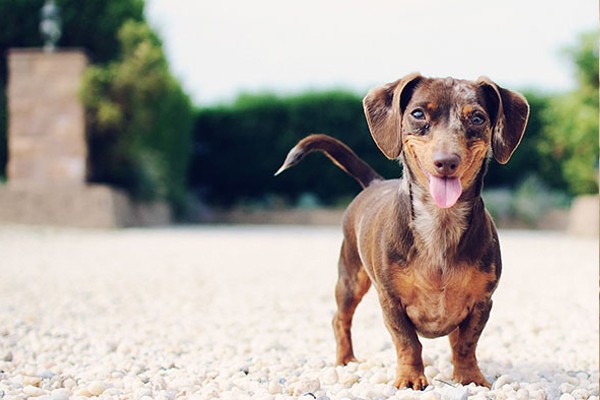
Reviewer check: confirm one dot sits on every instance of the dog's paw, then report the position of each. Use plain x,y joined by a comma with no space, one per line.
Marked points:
467,376
346,359
415,380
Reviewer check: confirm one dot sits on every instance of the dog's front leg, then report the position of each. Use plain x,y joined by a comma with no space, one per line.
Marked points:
464,343
410,370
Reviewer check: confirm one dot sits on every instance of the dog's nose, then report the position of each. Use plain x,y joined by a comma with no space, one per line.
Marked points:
445,163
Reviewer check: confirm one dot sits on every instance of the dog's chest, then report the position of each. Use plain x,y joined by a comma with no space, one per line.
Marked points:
437,302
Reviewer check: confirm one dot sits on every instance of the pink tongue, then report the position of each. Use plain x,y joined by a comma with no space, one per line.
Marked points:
445,191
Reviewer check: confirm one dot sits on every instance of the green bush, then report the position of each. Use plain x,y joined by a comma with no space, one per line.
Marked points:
239,147
140,120
569,145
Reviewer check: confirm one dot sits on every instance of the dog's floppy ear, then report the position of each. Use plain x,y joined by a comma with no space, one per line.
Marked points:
509,112
383,109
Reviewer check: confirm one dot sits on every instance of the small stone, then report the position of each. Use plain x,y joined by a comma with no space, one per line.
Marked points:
431,372
32,381
96,388
142,392
46,374
501,381
33,391
329,376
389,391
566,387
523,394
456,393
8,357
379,377
431,395
59,394
348,379
567,396
83,392
305,386
69,383
275,387
580,394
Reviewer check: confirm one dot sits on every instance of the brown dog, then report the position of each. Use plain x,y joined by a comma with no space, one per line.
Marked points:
425,241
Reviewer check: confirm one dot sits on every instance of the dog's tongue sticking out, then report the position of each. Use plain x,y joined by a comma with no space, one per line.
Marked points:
445,191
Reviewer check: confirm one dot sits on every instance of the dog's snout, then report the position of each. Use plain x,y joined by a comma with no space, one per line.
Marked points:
445,163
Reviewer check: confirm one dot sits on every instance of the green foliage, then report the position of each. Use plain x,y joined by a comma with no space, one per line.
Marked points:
139,128
91,25
570,126
239,147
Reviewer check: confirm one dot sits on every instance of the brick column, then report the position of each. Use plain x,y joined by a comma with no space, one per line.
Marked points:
46,132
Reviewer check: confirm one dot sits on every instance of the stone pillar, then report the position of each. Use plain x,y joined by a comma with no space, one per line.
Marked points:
47,151
46,130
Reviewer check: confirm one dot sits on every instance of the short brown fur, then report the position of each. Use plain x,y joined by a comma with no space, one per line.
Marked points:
434,269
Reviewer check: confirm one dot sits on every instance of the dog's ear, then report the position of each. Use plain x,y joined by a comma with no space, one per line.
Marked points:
383,108
509,112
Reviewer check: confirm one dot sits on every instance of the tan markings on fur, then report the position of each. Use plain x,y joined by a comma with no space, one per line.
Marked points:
437,303
478,151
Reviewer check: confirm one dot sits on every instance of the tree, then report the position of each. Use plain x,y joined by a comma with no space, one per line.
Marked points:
570,131
140,129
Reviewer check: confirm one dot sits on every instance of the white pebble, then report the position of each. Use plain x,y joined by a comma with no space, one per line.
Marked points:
430,395
46,374
275,387
389,391
523,394
379,377
431,372
33,391
305,386
32,381
69,383
142,392
83,392
329,376
501,381
96,388
580,394
347,378
566,388
567,396
59,394
456,393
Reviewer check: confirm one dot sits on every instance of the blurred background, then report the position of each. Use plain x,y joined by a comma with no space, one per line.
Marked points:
196,103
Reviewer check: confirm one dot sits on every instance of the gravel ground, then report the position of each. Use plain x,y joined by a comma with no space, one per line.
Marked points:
244,313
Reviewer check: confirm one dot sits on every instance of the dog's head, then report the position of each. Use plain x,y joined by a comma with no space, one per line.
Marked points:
445,129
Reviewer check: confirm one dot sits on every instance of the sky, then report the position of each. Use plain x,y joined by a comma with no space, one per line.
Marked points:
219,49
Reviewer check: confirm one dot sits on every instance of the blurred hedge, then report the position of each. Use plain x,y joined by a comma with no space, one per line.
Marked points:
239,147
140,120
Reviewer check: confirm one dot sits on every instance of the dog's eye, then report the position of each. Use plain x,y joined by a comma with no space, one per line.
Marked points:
418,114
477,119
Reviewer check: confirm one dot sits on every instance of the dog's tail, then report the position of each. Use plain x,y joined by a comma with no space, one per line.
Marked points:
336,151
